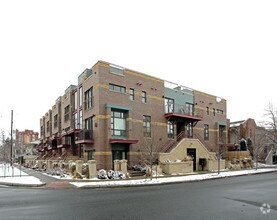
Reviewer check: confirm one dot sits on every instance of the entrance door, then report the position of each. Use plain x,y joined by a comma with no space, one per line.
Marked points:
192,152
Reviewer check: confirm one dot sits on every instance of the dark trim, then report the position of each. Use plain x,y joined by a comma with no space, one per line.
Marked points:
84,141
177,115
123,141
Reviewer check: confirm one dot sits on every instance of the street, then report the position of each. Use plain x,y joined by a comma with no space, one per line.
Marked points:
246,197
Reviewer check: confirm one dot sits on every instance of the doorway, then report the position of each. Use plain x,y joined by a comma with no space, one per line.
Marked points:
192,152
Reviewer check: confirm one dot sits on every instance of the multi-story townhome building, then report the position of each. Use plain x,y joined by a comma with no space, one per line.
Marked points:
114,111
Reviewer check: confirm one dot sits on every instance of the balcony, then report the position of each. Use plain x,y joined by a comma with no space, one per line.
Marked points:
84,137
63,142
182,111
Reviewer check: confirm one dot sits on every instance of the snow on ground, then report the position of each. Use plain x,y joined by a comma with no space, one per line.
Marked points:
13,175
164,180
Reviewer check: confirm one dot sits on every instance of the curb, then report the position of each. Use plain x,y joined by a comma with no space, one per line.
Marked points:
167,183
22,184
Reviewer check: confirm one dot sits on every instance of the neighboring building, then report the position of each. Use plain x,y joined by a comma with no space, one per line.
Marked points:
24,142
241,130
113,110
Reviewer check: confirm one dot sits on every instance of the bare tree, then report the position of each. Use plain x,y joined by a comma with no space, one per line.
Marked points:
267,136
149,150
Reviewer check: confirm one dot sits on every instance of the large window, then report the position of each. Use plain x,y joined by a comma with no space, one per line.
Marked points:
206,132
221,134
89,123
170,129
132,94
117,88
75,120
88,99
81,119
80,96
118,123
189,109
66,113
169,105
48,126
143,97
56,121
189,130
146,126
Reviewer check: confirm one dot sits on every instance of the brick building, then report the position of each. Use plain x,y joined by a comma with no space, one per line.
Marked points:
112,110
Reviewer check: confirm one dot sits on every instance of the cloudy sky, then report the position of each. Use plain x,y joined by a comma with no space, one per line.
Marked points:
224,48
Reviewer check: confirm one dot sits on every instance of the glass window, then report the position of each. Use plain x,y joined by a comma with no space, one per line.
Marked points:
89,123
80,96
143,97
189,109
146,126
169,105
214,111
206,132
55,121
117,88
75,121
88,99
170,129
132,94
66,113
81,119
207,110
118,123
116,70
189,130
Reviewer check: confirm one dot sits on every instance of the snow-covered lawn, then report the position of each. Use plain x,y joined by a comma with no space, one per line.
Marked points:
164,180
13,176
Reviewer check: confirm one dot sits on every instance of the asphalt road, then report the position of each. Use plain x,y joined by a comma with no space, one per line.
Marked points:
230,198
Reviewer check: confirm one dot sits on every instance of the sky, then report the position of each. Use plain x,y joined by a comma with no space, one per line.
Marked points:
224,48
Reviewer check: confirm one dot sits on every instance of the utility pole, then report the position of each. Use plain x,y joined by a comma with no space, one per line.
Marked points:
12,138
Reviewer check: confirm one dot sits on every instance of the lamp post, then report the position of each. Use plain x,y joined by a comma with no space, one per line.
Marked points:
12,138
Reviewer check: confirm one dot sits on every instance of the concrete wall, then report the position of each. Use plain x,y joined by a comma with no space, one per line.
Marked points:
177,167
180,152
238,154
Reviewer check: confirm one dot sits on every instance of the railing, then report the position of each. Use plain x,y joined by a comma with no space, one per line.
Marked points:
183,109
85,135
183,134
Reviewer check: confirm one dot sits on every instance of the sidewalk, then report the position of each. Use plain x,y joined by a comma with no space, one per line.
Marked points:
32,178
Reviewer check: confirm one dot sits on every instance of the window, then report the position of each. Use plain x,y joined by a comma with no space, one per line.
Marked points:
75,121
214,111
219,111
88,99
116,70
170,129
55,121
206,132
118,123
207,110
146,126
80,96
132,94
143,97
169,105
89,123
189,109
221,134
117,88
66,113
75,101
48,126
189,130
81,119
